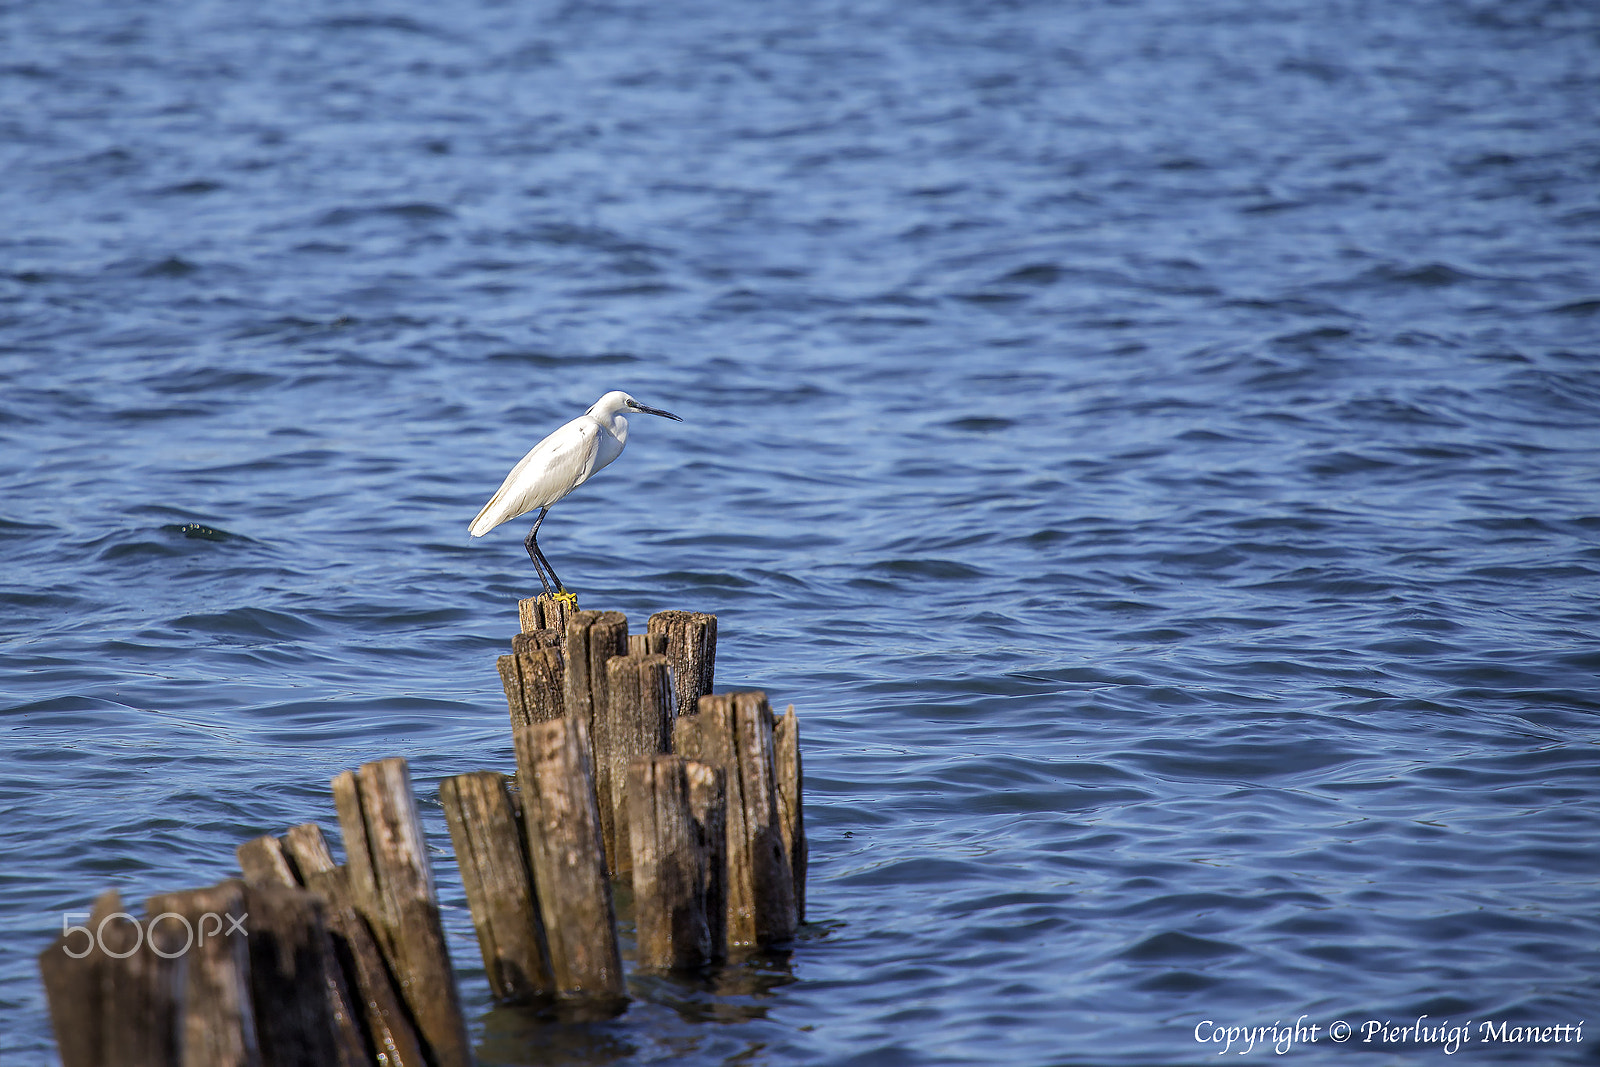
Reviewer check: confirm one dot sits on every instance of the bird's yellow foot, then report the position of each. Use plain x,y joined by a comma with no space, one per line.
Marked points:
570,598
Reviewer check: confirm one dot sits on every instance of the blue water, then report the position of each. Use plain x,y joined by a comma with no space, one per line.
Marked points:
1153,444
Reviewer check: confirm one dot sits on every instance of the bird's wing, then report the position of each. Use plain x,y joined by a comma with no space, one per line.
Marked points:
551,469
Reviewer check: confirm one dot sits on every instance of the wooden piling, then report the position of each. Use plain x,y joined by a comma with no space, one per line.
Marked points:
264,862
647,644
304,1010
543,621
353,968
708,806
592,638
361,996
527,641
671,863
532,679
486,830
296,970
692,650
307,850
391,885
567,855
219,1022
384,1016
544,612
636,721
791,808
121,1007
734,731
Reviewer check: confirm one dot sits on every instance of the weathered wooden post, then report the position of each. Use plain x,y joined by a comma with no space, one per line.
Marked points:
671,865
389,1026
486,829
708,806
219,1022
532,679
734,731
264,862
302,856
567,855
532,674
649,644
692,649
544,612
528,641
592,638
138,1026
637,721
308,850
791,807
303,1007
391,885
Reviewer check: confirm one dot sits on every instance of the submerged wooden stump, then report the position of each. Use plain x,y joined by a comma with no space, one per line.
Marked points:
734,731
486,829
391,886
592,638
543,624
561,819
692,650
527,641
234,974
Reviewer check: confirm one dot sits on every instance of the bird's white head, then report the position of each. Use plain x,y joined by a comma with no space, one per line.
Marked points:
616,402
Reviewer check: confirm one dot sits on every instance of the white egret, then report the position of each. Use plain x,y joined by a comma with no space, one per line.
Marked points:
555,467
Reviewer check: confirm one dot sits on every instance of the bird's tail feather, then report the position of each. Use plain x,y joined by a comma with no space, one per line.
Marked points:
482,524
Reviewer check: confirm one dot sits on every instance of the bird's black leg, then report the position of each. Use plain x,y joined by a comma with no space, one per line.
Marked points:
561,590
536,554
532,545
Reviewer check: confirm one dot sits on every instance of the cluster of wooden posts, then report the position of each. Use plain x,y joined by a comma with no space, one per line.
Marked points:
627,766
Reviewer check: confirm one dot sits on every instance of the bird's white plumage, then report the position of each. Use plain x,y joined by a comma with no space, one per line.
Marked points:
561,462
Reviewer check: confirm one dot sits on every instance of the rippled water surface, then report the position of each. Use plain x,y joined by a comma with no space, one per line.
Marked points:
1152,443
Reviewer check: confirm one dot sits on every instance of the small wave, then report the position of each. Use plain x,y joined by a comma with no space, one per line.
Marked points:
1175,946
210,380
415,211
247,624
980,423
170,267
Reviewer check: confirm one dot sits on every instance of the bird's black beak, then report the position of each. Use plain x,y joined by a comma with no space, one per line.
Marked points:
654,411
